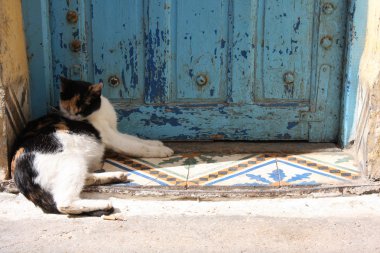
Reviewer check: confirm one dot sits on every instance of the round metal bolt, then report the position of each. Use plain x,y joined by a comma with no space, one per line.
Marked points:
113,81
328,8
201,79
327,42
289,77
76,45
76,69
72,17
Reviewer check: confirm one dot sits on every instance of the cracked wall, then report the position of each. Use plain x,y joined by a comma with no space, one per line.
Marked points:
14,94
367,141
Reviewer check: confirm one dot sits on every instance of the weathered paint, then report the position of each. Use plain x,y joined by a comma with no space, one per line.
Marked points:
14,80
37,32
367,116
171,121
356,37
159,49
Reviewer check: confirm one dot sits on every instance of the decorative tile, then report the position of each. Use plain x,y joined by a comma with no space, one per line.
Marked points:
296,170
263,174
196,169
230,170
340,160
136,177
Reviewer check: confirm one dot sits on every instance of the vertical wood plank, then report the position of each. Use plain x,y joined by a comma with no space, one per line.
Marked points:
159,38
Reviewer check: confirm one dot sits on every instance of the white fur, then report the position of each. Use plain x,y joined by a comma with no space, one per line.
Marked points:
104,120
65,173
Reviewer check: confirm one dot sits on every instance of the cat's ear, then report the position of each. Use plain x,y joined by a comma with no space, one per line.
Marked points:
64,83
64,79
96,89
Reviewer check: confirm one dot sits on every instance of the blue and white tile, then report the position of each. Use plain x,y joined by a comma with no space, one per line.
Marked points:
263,174
340,160
136,177
219,163
301,174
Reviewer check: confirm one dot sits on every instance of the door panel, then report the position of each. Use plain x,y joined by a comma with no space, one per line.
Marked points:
216,69
285,58
202,34
118,43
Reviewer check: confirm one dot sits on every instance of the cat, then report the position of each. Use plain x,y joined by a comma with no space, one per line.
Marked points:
54,155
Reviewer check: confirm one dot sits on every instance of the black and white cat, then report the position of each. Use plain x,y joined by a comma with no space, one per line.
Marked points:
54,155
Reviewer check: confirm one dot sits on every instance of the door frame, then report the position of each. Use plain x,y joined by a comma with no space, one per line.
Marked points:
37,31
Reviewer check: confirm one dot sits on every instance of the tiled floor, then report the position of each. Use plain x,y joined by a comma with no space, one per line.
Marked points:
196,169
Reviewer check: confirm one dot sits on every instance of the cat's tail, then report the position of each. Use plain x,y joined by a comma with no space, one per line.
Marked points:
24,176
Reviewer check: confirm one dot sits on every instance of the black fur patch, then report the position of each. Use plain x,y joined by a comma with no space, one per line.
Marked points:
39,137
24,176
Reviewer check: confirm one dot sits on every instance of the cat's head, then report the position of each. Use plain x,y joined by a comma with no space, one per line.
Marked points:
79,99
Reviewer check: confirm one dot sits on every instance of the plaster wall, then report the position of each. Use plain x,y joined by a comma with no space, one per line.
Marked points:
367,139
14,94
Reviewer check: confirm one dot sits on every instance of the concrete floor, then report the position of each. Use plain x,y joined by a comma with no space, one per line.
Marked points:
150,224
340,224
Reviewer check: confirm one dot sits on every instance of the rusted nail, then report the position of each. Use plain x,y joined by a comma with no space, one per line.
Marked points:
75,45
327,42
201,79
289,77
72,17
328,8
113,81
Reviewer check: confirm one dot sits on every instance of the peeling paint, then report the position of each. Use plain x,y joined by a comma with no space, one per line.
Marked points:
292,125
244,54
191,73
133,65
222,43
76,33
98,70
296,26
285,136
161,121
155,68
126,113
212,91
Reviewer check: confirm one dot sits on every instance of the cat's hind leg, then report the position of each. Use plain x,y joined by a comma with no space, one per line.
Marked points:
93,207
106,178
67,187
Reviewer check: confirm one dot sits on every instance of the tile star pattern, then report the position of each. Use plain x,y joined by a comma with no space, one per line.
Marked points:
272,170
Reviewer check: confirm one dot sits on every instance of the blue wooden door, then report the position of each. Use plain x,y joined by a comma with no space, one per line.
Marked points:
208,69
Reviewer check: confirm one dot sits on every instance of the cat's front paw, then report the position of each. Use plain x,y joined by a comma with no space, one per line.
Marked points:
158,152
121,177
154,143
166,151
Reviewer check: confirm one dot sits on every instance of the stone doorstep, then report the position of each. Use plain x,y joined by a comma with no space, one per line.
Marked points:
223,193
227,170
218,193
240,164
